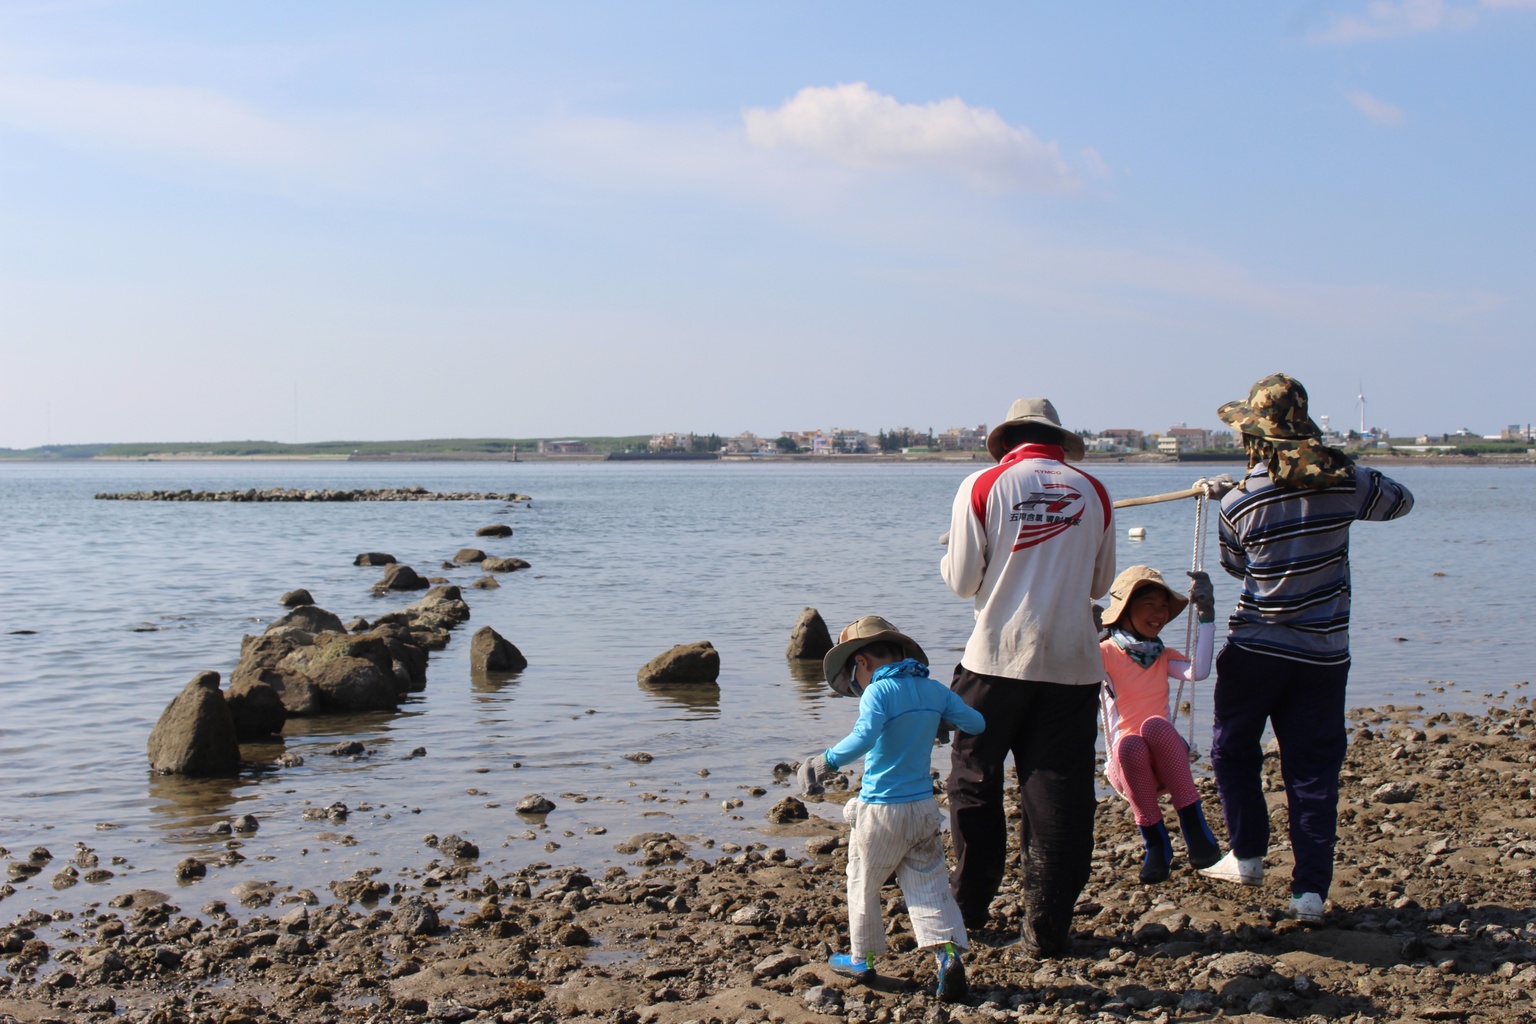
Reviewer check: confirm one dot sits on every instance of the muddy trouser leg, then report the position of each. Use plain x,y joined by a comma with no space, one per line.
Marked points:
1309,723
978,823
1242,699
1054,756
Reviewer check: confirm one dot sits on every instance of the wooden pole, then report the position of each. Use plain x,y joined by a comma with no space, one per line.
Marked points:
1153,499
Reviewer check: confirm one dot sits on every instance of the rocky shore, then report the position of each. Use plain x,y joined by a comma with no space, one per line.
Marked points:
296,494
1433,917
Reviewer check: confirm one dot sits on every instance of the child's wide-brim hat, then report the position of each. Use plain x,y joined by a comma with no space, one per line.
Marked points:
1133,579
856,636
1038,411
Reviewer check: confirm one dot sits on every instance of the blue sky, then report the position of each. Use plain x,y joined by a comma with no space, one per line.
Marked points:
385,220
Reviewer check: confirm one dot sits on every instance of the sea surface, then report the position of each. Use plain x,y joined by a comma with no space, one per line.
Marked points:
108,608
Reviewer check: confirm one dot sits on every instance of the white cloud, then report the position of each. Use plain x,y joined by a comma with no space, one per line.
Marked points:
855,126
1386,19
1377,110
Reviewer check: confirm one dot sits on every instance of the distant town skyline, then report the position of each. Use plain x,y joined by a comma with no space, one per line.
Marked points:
481,219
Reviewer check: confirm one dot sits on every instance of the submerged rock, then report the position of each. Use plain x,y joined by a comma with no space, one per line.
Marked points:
196,733
398,576
684,664
493,564
489,652
374,558
496,530
809,639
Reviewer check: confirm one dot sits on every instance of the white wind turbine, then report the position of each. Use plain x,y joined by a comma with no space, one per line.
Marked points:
1360,404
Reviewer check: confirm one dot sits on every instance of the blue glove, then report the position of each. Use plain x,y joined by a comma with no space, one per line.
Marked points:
814,773
1202,595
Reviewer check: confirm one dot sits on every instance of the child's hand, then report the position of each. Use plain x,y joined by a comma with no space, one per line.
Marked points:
1202,595
814,773
945,734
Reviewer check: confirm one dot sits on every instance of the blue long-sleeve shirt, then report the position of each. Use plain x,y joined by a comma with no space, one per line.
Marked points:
899,715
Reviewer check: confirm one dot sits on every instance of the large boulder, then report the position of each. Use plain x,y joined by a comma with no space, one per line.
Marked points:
257,711
496,530
684,664
263,662
350,672
195,734
398,576
440,608
311,618
408,656
494,564
809,638
464,556
374,558
295,598
489,651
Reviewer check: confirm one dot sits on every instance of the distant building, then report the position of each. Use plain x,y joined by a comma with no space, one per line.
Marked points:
1515,432
1190,439
1168,445
962,439
1125,437
746,443
1101,443
671,442
569,447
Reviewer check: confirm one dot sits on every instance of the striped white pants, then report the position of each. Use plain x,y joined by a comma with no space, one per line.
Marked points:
904,839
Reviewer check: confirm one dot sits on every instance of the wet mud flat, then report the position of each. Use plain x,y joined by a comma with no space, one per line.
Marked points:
1432,917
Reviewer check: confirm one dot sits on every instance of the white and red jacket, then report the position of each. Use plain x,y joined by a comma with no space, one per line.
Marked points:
1033,541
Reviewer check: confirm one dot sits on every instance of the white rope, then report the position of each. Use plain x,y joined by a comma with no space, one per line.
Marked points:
1191,627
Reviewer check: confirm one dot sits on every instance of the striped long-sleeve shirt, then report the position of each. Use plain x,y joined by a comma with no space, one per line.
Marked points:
1290,549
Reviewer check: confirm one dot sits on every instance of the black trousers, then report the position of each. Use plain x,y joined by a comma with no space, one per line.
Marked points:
1050,730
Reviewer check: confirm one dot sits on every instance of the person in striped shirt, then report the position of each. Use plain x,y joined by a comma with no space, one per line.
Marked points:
1285,536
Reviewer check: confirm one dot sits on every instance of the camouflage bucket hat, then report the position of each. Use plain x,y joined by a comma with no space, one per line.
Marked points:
1276,409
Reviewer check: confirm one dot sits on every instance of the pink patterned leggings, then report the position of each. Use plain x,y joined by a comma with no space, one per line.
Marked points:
1144,765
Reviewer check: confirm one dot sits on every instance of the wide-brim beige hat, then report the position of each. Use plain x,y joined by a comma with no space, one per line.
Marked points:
856,636
1033,410
1133,579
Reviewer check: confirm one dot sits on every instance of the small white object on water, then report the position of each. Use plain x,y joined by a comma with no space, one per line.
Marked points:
1136,532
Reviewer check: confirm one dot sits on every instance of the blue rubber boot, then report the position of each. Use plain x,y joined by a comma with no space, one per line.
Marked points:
1155,866
1203,851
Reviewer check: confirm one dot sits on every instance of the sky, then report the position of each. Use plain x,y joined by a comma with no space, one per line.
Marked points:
367,221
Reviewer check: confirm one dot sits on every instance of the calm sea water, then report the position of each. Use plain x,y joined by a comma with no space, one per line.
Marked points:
128,600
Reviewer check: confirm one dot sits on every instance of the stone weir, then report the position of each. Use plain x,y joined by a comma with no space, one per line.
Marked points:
294,494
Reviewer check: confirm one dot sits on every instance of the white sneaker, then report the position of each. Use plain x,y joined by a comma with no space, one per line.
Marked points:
1243,870
1307,907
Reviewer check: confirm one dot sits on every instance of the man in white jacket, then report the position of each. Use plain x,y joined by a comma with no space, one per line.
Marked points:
1032,541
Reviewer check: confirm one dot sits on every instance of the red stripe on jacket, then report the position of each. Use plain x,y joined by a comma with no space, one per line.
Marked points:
981,490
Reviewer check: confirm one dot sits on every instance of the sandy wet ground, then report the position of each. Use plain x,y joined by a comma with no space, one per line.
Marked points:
1433,917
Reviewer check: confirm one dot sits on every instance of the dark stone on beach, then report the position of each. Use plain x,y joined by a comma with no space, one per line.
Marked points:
572,935
196,733
190,869
809,639
408,657
414,916
464,556
486,583
350,673
374,558
257,711
457,847
400,577
311,618
787,810
245,823
684,664
489,652
295,598
498,530
535,803
357,625
494,564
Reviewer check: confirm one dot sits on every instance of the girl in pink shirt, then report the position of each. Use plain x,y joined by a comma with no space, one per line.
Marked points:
1146,755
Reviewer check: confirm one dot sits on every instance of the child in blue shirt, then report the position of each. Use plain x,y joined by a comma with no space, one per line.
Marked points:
895,820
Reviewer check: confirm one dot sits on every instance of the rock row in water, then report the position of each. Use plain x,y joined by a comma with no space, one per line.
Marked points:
294,494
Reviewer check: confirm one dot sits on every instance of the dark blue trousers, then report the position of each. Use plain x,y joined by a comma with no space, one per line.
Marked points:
1305,704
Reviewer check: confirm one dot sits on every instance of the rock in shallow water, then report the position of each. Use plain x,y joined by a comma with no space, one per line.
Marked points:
685,664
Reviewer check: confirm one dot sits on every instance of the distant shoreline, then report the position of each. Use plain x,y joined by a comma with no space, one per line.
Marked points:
1372,458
